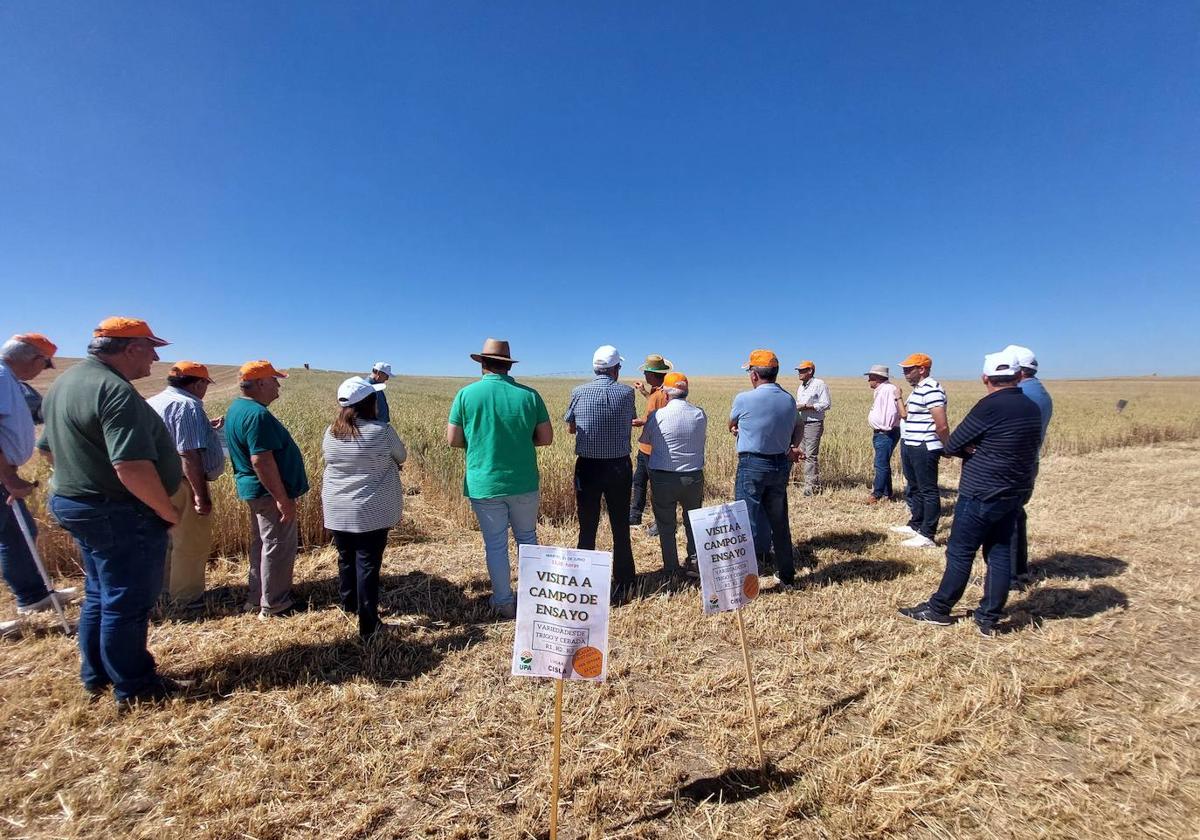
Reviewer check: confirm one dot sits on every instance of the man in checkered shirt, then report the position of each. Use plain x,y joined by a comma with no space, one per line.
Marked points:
601,415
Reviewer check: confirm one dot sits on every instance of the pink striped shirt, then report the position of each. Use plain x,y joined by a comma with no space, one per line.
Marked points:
884,414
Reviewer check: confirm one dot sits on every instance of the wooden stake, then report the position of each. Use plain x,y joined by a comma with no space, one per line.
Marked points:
554,760
762,761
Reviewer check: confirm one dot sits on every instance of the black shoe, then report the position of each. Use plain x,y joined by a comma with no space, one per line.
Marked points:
291,609
987,629
95,693
924,612
634,521
163,689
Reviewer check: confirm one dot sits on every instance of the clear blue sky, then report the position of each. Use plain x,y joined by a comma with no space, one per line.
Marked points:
341,182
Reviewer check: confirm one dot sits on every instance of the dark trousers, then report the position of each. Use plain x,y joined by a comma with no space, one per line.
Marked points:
986,524
641,478
920,467
885,445
762,482
673,490
1020,541
359,559
612,480
16,563
124,548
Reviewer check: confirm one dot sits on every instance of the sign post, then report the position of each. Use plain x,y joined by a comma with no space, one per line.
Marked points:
562,628
729,578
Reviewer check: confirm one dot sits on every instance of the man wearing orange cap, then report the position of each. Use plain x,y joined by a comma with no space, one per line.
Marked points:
181,407
115,468
768,443
676,433
812,401
269,473
22,358
923,434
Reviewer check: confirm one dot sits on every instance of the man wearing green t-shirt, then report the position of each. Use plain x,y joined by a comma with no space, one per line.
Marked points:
499,422
269,474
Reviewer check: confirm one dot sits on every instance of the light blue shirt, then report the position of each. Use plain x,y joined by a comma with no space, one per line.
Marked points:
1036,391
16,423
676,433
185,418
766,418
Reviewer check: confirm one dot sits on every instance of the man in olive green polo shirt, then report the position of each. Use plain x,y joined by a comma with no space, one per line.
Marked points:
499,422
115,468
269,473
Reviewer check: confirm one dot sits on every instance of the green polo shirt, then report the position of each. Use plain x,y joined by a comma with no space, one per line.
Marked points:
251,429
95,418
498,417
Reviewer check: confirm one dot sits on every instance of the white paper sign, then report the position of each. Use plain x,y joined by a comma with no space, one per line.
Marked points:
562,613
725,554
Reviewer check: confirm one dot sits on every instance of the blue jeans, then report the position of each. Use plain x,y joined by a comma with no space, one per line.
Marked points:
124,548
762,481
496,516
920,465
16,563
979,523
885,445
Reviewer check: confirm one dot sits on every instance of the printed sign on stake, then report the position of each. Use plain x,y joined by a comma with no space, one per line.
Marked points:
725,554
562,613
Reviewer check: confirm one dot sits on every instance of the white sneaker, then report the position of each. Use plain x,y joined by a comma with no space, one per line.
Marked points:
919,541
903,529
65,596
10,629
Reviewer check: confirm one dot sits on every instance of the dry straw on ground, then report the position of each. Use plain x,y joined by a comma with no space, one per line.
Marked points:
1082,722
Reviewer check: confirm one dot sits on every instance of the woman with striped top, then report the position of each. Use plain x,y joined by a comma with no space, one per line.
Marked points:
361,495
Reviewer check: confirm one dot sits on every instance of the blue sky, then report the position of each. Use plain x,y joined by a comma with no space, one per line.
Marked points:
849,182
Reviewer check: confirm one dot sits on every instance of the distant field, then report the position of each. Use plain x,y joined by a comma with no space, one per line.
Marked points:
1085,420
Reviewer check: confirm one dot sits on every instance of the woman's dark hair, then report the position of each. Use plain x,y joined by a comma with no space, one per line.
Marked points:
345,425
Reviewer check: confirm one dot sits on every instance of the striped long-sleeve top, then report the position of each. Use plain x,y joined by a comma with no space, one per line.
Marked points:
1005,427
360,490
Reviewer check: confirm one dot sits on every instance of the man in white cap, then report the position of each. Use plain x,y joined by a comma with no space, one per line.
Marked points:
381,372
601,415
998,442
1033,388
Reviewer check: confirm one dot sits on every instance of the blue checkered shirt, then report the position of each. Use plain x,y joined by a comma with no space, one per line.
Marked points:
603,412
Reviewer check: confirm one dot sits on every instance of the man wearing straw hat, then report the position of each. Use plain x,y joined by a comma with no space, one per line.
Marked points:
653,370
269,473
499,422
115,469
181,407
884,420
22,358
812,401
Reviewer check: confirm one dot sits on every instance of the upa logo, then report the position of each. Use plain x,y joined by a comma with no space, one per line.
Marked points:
713,600
526,660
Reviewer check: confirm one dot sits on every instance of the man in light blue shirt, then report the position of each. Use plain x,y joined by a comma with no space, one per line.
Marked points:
765,421
381,372
1033,388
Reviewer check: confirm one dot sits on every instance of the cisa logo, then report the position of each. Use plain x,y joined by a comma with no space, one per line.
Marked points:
526,660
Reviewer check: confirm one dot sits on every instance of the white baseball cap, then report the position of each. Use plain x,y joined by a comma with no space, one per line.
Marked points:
1024,355
382,367
1004,363
606,356
356,389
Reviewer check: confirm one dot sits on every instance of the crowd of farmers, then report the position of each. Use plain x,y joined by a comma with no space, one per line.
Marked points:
130,479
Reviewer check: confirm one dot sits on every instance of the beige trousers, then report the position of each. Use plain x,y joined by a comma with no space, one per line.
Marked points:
190,547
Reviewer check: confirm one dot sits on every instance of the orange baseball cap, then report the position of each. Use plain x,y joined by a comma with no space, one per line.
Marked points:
806,364
917,360
190,369
674,378
761,358
118,327
260,369
39,342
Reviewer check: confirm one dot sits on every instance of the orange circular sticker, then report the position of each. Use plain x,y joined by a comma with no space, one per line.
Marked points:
588,662
750,586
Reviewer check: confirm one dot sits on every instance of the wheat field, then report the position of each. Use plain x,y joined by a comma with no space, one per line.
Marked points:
1082,721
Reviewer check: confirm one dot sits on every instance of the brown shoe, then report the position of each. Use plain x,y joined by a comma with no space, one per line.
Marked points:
871,499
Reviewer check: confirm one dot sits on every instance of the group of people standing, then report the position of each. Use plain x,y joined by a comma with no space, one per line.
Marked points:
130,476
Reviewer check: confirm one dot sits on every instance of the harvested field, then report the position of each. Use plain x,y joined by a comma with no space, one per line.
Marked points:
1082,722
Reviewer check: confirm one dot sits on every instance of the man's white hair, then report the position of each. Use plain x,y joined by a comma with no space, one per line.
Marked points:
677,393
18,351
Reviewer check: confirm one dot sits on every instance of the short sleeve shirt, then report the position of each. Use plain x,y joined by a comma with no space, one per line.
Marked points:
16,420
95,418
917,428
766,417
498,416
250,429
603,413
186,420
656,400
